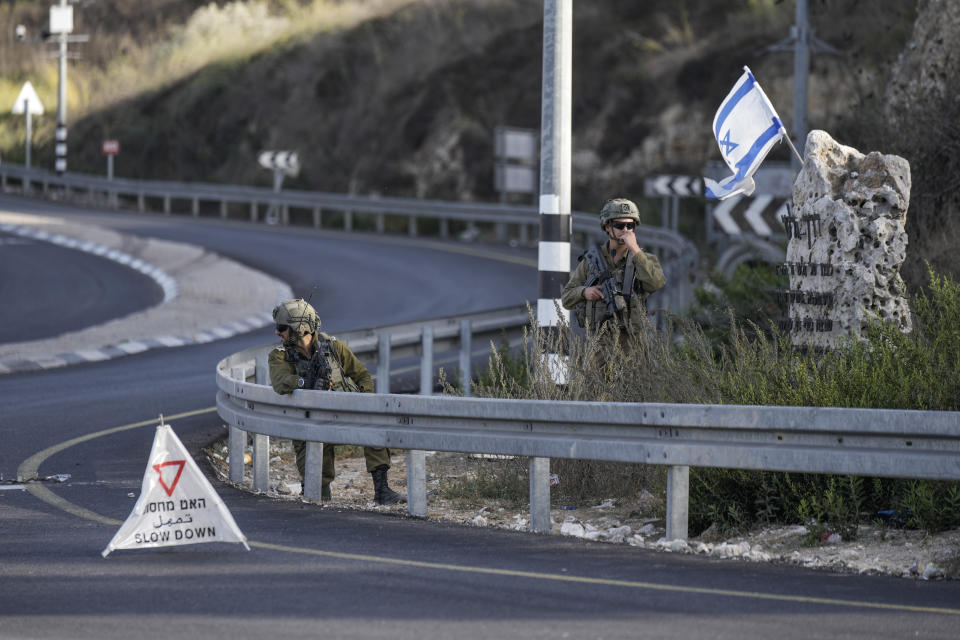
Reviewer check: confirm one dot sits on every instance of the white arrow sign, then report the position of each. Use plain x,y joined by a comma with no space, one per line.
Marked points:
286,161
721,213
27,99
754,215
668,185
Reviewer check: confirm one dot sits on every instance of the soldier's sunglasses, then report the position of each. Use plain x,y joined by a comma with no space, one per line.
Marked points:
620,226
282,327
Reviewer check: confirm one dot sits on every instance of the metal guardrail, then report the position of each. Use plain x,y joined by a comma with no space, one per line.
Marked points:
678,255
874,442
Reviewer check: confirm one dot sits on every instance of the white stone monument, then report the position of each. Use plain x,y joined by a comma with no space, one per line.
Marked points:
847,243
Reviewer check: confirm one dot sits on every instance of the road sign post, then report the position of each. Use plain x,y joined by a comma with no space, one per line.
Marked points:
671,188
28,103
515,169
282,163
110,149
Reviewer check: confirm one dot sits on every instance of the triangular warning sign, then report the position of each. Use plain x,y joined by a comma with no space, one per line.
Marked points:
27,100
177,504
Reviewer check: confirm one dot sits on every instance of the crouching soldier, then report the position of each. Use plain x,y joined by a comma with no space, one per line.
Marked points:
309,359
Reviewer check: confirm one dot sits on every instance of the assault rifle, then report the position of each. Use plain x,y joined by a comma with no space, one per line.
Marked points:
600,276
315,371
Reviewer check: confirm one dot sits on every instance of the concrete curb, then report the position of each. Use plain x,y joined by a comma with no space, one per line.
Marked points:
168,284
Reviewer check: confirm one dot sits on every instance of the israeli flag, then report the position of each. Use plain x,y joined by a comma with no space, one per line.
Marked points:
746,127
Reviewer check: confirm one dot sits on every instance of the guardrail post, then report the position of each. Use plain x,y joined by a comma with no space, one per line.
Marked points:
261,370
383,362
313,471
426,360
444,228
317,217
412,227
348,220
166,205
261,462
466,351
381,223
285,214
238,441
678,501
417,460
253,211
417,483
540,495
141,202
195,207
501,232
223,209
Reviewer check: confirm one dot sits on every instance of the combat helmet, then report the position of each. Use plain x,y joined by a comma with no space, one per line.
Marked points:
618,208
298,315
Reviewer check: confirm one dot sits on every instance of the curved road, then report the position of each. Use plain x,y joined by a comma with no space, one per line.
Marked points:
325,572
43,298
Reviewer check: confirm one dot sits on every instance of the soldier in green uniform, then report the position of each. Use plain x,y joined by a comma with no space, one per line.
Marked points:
613,279
309,359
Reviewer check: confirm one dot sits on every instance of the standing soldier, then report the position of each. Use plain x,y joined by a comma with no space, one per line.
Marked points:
309,359
613,279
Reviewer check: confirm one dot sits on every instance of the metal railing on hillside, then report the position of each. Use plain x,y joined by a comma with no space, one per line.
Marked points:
678,255
891,443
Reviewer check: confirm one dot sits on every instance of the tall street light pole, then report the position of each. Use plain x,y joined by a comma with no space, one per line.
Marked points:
555,144
61,26
801,72
555,219
801,41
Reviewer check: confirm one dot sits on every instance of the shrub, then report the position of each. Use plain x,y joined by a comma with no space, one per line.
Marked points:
884,369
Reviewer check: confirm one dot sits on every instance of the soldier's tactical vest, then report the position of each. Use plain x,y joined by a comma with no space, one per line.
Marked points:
341,381
594,313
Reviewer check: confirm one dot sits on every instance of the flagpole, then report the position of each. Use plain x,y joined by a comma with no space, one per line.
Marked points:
786,136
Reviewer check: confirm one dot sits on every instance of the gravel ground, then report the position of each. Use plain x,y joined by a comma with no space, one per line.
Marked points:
896,552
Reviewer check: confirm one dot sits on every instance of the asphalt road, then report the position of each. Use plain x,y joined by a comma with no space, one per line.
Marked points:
50,299
325,572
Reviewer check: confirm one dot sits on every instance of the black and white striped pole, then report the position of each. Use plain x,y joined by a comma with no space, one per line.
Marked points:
61,28
61,24
555,220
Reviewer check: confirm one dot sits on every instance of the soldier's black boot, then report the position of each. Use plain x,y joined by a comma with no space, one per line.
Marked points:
325,493
382,493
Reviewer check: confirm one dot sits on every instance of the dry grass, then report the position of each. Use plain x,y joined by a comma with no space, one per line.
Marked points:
122,64
886,369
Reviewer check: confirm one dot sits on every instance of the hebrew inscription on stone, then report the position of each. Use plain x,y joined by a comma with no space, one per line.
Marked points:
847,242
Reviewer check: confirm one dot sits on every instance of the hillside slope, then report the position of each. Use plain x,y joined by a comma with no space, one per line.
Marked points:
401,97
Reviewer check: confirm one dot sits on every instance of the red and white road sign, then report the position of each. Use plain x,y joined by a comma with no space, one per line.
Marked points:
111,147
177,504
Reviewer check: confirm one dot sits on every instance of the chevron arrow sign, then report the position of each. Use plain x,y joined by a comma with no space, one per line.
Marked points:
286,161
667,185
761,216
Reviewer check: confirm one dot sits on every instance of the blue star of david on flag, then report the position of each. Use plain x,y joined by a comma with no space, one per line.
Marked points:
746,127
726,146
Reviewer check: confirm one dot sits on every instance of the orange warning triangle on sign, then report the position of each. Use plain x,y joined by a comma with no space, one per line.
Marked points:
173,485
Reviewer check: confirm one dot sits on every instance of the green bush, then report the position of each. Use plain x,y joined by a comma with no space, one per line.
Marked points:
751,365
